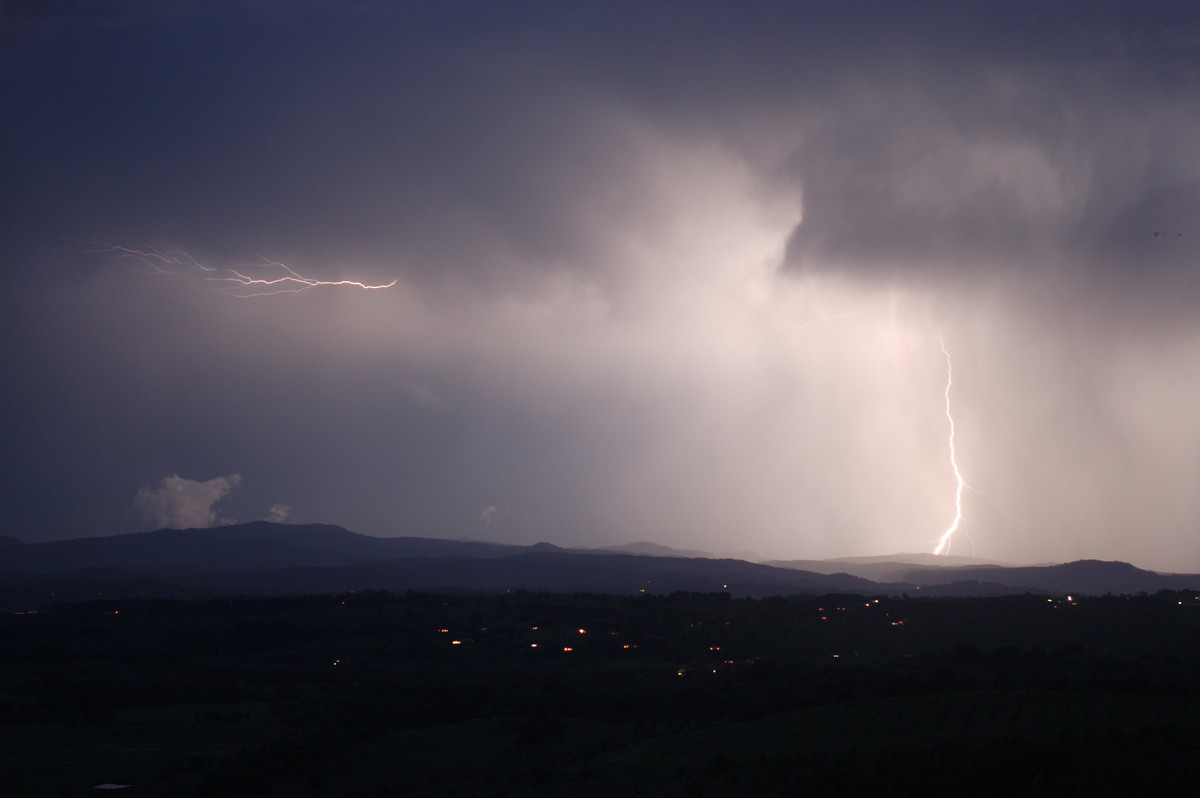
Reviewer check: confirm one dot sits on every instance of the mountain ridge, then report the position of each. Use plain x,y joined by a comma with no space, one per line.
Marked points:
263,557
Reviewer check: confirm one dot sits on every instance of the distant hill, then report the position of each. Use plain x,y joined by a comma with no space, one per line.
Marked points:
656,550
952,575
7,541
31,591
541,571
254,546
266,558
1085,577
886,568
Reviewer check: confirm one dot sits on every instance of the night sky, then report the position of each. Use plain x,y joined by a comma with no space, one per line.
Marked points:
666,271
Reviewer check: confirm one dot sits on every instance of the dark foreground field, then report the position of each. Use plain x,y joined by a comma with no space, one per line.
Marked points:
538,694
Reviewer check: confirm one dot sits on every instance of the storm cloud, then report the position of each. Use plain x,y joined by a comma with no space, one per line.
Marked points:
667,271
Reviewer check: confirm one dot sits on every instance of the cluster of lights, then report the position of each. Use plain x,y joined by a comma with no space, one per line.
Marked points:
568,649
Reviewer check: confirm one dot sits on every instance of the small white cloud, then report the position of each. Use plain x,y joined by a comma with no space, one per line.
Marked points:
279,513
486,515
422,396
184,503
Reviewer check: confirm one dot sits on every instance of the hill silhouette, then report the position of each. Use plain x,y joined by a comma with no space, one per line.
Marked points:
268,558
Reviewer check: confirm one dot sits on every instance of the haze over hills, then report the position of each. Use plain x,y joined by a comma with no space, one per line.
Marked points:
267,558
884,568
659,550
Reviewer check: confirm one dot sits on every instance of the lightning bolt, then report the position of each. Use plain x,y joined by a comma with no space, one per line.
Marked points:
238,280
943,544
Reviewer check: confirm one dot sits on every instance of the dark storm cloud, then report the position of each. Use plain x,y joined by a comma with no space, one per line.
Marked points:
665,270
1015,167
935,132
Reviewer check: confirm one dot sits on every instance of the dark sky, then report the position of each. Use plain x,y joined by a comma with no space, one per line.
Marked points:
669,271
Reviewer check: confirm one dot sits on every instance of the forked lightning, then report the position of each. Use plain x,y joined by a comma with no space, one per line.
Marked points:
943,544
278,277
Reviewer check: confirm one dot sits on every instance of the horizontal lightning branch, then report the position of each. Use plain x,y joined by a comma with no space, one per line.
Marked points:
259,278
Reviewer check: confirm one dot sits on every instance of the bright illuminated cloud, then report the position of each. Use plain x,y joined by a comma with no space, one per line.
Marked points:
279,514
183,503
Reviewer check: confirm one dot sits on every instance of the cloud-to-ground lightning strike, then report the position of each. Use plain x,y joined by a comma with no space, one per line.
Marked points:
235,280
943,544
